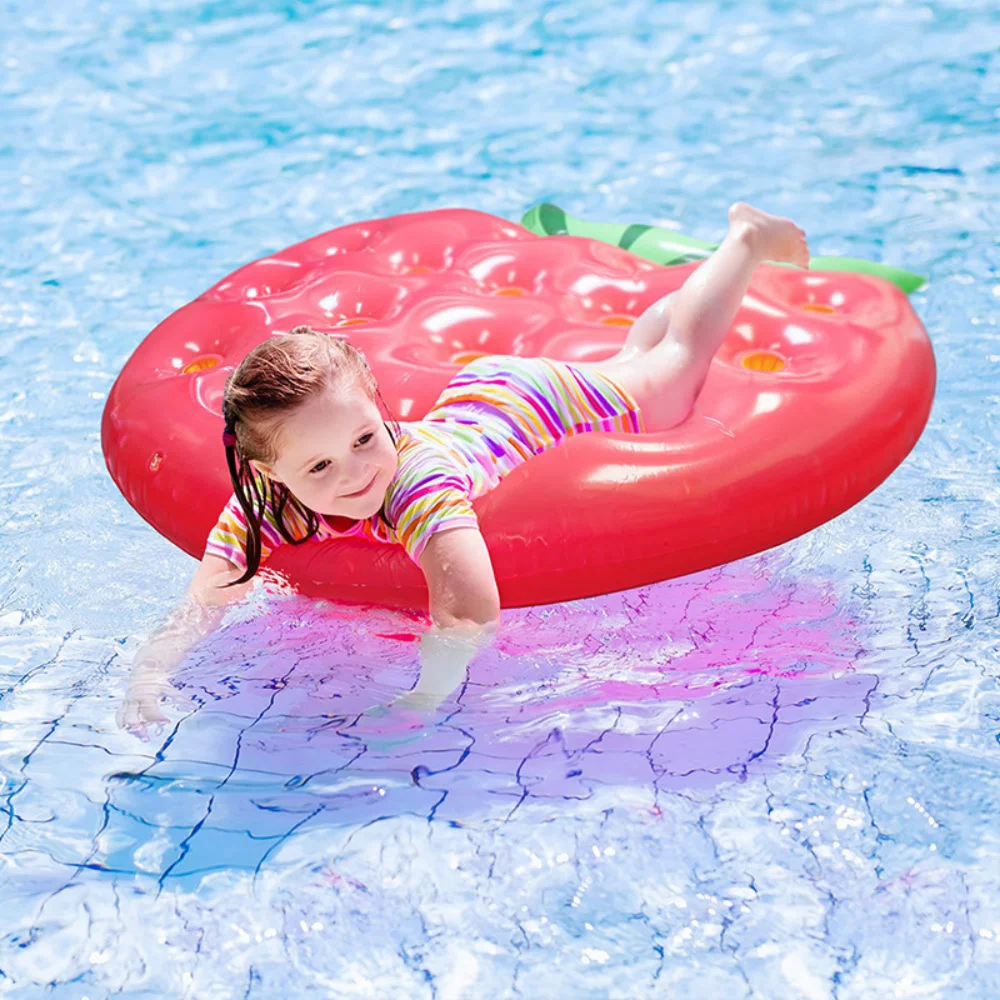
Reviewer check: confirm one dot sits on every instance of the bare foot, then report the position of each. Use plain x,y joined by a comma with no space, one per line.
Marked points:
774,237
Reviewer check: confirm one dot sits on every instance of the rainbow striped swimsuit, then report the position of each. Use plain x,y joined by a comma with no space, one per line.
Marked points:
494,414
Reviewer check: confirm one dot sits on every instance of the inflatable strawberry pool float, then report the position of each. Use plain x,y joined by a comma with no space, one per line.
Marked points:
820,390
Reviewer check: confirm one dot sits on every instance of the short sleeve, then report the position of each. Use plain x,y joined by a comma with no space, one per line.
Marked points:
428,494
229,536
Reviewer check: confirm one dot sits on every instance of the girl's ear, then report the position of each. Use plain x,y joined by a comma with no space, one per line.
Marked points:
259,468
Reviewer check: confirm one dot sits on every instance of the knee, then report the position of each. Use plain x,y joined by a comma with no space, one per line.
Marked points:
651,326
674,379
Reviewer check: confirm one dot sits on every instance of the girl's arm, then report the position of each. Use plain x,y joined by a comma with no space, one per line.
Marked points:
464,607
198,614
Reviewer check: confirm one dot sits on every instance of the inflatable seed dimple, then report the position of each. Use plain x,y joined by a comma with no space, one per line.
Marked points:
764,361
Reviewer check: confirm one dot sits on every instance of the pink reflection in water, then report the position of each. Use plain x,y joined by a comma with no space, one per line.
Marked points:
671,687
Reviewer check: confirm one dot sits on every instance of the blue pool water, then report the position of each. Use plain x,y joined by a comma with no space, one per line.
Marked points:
615,805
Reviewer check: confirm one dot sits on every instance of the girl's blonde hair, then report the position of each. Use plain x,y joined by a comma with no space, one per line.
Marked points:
277,376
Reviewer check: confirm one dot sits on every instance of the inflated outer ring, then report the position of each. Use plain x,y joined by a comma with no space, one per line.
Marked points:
821,389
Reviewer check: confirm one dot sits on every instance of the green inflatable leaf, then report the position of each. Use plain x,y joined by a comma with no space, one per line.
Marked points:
662,246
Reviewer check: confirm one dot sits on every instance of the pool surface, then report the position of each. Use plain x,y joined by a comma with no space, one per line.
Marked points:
777,778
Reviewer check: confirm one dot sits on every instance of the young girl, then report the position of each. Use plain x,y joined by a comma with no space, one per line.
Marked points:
310,456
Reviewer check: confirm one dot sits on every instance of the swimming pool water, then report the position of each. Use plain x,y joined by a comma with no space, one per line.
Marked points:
777,778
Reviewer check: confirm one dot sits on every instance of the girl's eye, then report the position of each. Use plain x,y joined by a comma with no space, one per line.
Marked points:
319,466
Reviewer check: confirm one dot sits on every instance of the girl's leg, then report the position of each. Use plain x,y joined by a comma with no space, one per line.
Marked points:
648,330
667,376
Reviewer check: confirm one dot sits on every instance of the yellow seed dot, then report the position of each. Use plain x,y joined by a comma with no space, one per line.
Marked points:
764,361
200,364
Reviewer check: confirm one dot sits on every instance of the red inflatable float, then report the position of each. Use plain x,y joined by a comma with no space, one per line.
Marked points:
821,389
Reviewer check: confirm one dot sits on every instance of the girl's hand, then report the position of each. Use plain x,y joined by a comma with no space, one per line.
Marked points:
138,712
411,726
418,701
409,701
140,708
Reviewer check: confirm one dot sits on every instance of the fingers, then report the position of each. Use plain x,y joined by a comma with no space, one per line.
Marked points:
420,701
137,714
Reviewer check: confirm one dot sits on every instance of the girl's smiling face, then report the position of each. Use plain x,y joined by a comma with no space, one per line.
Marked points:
335,454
